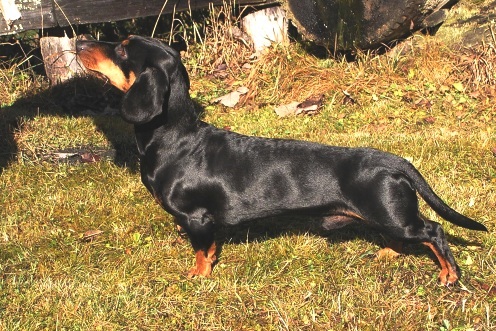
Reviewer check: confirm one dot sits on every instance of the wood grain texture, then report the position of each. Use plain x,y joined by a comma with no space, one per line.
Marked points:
38,14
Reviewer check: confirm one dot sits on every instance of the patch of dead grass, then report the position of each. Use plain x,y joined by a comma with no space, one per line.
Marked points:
480,64
222,47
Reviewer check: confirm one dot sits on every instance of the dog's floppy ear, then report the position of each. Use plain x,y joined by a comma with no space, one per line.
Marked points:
146,98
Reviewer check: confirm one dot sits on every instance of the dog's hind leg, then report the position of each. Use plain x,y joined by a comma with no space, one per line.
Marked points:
205,258
396,214
450,272
432,235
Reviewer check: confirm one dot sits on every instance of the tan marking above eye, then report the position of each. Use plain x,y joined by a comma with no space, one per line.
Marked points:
125,42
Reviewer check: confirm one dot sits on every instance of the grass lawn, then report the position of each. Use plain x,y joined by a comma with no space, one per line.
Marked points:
83,245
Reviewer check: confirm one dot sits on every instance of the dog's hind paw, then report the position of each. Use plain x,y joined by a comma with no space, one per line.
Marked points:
387,254
393,250
447,277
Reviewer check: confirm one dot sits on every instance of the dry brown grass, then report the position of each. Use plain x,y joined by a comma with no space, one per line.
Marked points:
286,74
221,44
480,64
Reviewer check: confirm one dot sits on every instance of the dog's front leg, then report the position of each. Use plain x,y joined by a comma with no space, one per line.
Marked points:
201,233
204,262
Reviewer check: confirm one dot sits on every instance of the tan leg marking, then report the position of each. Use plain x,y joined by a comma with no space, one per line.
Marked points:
204,261
391,251
448,273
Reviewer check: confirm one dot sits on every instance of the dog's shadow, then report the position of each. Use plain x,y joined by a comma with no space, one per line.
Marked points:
267,229
78,97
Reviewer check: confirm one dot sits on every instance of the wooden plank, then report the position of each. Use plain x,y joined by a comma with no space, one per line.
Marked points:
36,14
48,13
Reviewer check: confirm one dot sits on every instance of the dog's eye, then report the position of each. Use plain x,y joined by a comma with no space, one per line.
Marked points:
121,52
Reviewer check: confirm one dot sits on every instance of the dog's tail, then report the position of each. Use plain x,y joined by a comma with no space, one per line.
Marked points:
435,202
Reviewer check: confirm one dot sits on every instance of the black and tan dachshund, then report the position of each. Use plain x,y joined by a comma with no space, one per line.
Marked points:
207,177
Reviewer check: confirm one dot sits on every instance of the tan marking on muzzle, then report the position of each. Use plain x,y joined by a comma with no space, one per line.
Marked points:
96,61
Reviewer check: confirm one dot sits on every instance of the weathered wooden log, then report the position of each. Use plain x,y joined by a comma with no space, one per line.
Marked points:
266,26
9,11
337,24
364,24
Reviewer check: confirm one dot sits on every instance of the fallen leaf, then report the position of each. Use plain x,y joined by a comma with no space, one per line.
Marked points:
308,107
288,109
231,99
90,158
429,120
444,89
348,99
468,260
311,105
491,289
63,156
221,71
242,89
459,87
91,234
424,103
221,67
474,94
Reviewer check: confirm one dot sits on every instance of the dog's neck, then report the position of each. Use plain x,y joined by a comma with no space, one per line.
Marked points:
164,130
178,115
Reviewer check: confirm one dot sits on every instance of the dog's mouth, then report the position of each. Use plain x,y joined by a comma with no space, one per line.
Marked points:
94,56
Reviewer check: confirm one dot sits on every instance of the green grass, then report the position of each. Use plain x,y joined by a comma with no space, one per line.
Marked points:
277,275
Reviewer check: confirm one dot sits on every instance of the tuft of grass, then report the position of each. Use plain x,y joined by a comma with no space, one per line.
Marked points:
480,62
18,82
221,43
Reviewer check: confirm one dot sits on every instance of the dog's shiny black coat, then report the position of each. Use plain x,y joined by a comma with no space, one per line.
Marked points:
207,177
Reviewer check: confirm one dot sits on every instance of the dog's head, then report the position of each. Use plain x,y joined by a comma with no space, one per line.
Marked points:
149,72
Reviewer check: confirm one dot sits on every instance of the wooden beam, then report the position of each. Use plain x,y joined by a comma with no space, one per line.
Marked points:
38,14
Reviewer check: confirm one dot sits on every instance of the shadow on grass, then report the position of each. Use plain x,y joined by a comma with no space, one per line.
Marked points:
265,229
87,97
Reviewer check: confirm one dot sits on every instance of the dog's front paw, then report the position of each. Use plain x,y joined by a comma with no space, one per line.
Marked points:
204,264
202,271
